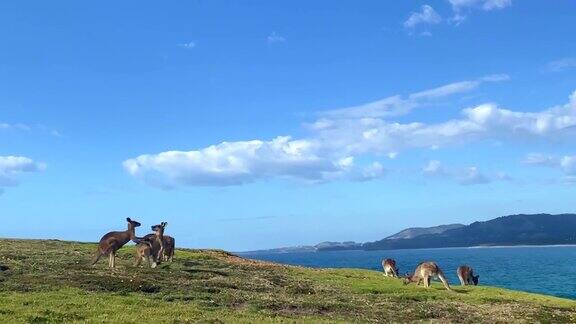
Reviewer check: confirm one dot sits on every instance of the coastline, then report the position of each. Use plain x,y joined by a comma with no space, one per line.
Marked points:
439,248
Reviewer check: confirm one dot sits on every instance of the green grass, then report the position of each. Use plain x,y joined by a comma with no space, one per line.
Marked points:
52,281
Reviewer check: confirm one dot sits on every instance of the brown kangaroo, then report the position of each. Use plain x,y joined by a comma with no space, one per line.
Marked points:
169,246
390,269
425,271
113,241
466,275
151,246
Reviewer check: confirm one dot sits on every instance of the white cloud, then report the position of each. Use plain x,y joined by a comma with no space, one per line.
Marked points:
373,171
21,127
496,4
472,176
29,128
398,105
434,168
566,164
463,176
461,7
427,15
234,163
571,180
361,135
540,160
561,65
189,45
12,166
275,38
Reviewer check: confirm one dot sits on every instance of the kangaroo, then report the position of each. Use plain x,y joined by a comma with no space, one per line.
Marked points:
113,241
169,246
151,246
390,269
425,271
466,275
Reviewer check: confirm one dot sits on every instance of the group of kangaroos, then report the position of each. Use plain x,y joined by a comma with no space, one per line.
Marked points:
425,271
157,247
154,247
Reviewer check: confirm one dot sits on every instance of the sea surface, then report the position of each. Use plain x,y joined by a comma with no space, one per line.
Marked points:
547,270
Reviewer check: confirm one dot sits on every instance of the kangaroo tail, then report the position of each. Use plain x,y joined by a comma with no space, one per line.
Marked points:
444,281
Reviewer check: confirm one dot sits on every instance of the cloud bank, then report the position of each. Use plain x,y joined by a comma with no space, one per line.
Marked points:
340,138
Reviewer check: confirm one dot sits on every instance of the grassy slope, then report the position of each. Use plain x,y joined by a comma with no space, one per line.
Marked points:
52,281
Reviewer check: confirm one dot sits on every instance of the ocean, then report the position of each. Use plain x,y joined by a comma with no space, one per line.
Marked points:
547,270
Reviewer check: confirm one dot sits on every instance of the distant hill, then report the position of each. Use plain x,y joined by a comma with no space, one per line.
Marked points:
539,229
536,229
413,232
324,246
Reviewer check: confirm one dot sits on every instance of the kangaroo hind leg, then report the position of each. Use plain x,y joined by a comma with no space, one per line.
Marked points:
462,281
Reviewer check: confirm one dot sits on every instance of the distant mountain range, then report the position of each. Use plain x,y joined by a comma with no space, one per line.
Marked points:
535,229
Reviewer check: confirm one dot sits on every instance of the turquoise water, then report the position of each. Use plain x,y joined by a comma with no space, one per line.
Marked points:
548,270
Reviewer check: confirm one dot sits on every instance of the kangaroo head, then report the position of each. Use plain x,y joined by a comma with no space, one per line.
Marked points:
475,280
159,227
407,278
132,222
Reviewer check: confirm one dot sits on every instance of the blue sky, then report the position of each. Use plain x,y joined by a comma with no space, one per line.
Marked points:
258,124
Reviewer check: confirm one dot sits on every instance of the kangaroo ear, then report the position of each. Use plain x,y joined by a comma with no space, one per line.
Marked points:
165,224
128,219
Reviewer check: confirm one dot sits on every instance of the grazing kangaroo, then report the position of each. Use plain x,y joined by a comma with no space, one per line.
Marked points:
113,241
390,269
151,246
169,246
466,275
425,271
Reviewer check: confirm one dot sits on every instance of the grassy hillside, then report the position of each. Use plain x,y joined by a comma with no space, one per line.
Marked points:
51,281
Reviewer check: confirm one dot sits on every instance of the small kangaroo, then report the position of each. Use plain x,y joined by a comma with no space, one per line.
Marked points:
466,275
151,246
111,242
390,269
425,271
169,246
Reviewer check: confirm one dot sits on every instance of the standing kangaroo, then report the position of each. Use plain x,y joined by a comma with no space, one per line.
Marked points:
169,246
466,275
425,271
151,246
113,241
390,269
